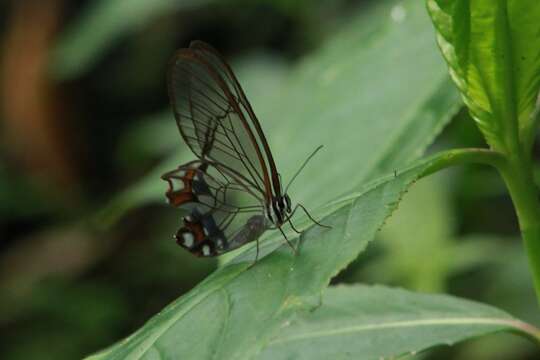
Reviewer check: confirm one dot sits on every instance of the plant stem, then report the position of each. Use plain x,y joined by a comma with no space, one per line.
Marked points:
464,156
519,179
517,172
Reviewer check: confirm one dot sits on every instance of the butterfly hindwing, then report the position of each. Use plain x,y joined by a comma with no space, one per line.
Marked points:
223,213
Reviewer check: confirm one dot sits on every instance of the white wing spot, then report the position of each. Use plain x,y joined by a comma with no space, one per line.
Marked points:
189,239
177,184
219,243
206,250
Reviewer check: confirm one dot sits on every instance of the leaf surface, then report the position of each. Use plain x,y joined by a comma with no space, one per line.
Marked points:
376,322
235,311
493,50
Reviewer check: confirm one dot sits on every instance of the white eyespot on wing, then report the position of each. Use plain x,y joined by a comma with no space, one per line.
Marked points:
177,184
188,218
188,239
206,250
219,243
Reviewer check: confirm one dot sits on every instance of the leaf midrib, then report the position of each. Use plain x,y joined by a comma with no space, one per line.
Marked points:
518,325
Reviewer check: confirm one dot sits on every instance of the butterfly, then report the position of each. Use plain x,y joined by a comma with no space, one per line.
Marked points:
233,191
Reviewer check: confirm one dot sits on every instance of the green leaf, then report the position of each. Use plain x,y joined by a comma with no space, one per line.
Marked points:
348,95
493,50
234,312
101,25
376,322
353,82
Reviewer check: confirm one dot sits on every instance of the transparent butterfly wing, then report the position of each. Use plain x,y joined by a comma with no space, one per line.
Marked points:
213,118
223,68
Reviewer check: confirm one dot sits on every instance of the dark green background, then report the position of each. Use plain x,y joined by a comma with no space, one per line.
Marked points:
86,255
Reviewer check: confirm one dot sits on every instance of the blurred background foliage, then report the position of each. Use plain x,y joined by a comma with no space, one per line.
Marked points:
84,115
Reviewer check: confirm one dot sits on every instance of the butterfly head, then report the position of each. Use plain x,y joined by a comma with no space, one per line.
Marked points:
280,209
286,203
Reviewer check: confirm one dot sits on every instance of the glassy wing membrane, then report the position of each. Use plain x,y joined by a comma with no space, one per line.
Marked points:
217,61
214,117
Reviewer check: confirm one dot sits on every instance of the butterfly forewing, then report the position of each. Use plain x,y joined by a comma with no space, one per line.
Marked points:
211,120
214,58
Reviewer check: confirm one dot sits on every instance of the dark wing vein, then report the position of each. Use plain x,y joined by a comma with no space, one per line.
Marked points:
211,119
227,147
216,60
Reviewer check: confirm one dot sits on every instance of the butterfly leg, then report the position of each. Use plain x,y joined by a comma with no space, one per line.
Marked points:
293,227
288,241
256,255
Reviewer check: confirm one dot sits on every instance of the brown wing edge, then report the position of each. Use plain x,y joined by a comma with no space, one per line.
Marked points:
190,55
203,46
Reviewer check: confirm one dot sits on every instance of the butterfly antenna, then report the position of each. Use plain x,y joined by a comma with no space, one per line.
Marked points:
302,167
280,184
